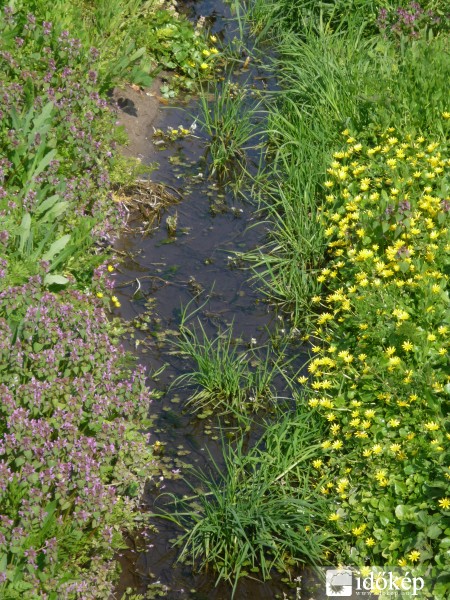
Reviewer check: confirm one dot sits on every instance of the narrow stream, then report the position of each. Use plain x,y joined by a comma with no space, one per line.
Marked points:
166,274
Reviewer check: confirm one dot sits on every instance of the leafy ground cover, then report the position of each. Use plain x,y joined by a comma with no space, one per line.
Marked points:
73,455
380,374
134,40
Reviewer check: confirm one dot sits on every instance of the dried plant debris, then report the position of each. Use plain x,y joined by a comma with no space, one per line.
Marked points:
145,201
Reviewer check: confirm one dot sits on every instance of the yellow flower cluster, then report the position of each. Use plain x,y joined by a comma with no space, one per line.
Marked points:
380,375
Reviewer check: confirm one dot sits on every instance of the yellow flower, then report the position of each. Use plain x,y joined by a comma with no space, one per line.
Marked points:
99,295
317,463
204,66
213,38
402,562
390,351
334,517
407,346
114,299
370,542
359,530
394,422
206,52
414,556
431,426
444,503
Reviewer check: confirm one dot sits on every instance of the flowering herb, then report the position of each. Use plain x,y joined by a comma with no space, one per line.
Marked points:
380,377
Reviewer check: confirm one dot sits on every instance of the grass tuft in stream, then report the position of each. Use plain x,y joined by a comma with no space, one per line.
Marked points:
229,120
262,511
229,381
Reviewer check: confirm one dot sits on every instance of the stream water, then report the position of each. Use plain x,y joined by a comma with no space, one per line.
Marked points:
169,272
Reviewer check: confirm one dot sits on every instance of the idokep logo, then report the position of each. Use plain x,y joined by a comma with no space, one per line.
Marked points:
339,583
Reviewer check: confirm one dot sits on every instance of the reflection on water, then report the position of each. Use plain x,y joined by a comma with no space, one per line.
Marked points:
195,265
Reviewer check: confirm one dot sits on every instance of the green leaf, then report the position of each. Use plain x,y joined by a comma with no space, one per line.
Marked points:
137,54
44,117
48,203
43,164
434,532
24,230
50,279
56,247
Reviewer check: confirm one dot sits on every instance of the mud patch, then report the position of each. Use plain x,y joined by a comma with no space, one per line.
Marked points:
137,111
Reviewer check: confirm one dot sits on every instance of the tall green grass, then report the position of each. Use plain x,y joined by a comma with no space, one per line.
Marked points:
262,511
228,117
330,81
228,380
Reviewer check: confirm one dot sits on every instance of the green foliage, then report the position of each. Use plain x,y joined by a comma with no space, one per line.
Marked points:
332,80
269,17
380,373
134,39
262,512
229,121
229,381
50,140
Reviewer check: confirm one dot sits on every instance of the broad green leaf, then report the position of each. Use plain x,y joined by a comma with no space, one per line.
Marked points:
434,531
56,247
55,212
46,204
43,163
43,117
137,54
50,279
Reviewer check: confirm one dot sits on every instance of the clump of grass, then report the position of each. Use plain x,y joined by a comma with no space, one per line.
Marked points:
229,381
261,512
229,120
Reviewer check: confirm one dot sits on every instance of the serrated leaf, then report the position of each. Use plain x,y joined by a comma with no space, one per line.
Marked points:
43,164
46,204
